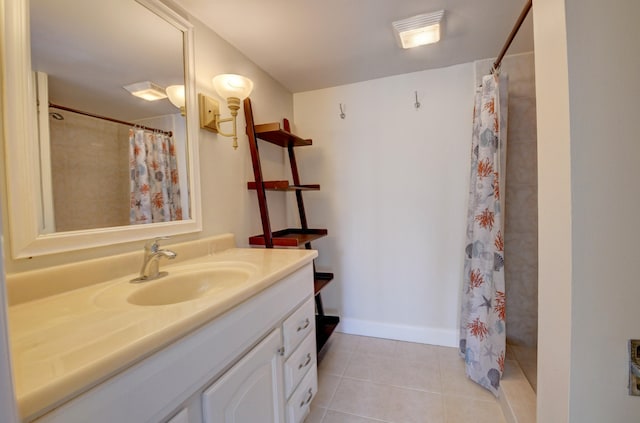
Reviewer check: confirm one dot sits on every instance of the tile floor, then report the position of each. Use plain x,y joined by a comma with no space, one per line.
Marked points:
527,358
368,380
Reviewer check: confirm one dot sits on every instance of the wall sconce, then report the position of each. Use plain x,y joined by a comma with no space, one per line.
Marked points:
233,88
176,96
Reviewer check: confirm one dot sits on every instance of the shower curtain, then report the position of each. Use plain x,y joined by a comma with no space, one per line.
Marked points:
482,321
154,185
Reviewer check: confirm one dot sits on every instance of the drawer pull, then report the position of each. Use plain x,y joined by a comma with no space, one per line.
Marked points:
306,363
308,400
307,322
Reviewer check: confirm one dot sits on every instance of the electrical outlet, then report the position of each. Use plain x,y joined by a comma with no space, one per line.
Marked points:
634,367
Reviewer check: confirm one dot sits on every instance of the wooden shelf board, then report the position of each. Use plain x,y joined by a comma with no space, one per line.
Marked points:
284,186
320,280
271,132
325,325
292,237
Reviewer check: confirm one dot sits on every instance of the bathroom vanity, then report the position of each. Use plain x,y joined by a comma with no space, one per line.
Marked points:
239,347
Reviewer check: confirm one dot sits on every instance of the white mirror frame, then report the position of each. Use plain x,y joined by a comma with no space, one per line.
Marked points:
22,157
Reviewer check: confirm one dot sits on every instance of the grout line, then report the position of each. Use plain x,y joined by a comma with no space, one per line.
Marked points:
410,388
357,415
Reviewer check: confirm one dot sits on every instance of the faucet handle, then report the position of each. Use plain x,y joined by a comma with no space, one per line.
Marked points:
152,245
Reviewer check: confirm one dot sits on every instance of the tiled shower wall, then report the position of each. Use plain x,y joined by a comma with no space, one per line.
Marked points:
521,214
90,172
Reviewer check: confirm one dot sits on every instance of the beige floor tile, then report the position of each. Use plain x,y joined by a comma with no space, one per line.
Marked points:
372,368
364,380
448,353
465,410
337,417
362,398
410,406
327,385
417,352
316,415
343,341
455,381
518,400
423,376
334,361
377,346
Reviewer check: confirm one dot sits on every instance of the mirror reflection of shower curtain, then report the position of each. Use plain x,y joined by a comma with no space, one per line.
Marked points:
482,321
154,185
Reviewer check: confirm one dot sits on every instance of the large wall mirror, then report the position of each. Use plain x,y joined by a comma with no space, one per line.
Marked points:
88,162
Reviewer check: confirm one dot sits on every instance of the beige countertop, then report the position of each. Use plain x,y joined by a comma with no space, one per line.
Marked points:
64,344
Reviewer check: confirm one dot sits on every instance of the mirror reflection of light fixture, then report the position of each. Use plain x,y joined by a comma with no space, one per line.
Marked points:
233,88
146,90
418,30
176,96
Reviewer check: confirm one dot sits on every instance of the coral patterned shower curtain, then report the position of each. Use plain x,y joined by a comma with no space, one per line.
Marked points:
482,322
154,185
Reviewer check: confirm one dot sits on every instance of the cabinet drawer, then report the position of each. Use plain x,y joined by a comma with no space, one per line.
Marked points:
297,326
299,363
300,401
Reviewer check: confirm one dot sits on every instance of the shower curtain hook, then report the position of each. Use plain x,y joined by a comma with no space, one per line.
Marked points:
417,103
342,115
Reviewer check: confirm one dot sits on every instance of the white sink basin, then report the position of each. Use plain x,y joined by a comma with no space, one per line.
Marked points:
186,285
189,282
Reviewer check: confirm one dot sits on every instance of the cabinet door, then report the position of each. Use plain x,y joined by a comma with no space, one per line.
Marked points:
252,390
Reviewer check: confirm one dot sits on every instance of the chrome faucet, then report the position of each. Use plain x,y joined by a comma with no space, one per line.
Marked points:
151,264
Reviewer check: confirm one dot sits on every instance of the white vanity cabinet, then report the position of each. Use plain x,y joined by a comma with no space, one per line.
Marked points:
230,370
252,390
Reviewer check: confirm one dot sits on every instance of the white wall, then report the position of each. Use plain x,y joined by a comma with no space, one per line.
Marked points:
394,184
227,205
605,153
589,199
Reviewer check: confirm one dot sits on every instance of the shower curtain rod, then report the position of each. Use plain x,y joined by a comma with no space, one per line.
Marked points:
512,35
80,112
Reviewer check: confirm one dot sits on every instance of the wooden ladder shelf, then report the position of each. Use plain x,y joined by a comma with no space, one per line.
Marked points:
290,237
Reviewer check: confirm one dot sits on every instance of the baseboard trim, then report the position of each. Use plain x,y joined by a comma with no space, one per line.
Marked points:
423,335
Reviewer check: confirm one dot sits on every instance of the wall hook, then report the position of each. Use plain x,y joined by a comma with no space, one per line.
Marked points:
342,115
417,103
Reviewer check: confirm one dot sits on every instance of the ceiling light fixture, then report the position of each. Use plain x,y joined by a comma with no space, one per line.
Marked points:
146,90
418,30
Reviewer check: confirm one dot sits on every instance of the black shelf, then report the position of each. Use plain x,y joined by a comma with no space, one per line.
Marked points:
281,136
272,133
291,237
320,280
284,186
325,325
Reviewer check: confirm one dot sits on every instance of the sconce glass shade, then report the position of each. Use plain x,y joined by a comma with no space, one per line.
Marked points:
176,95
229,86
